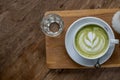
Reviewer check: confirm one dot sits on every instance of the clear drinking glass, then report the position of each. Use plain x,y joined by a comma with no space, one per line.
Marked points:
48,22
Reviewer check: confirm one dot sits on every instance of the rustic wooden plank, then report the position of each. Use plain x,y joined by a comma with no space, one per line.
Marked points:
22,46
92,74
57,56
79,13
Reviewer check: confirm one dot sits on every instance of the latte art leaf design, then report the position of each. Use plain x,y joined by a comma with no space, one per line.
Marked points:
91,41
91,36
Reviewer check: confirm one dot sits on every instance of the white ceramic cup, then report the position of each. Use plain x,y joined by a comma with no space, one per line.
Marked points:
111,41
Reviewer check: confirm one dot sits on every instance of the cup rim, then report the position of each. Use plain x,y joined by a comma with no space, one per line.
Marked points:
84,26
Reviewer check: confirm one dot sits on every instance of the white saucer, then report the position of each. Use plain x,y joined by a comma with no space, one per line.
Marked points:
69,42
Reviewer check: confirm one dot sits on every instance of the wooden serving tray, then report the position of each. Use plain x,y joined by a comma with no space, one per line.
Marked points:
56,55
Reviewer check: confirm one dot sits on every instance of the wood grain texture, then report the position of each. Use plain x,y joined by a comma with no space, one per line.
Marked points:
22,44
57,57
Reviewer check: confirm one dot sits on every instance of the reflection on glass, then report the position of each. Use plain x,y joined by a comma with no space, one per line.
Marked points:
52,25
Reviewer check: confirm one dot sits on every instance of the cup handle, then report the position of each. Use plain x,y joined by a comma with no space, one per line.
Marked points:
115,41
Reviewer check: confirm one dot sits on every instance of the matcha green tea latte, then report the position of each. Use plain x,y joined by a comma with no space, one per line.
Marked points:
91,41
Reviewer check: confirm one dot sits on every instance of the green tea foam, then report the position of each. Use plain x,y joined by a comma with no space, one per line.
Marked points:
91,41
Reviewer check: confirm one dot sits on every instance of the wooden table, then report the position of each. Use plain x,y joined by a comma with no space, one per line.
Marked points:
22,43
